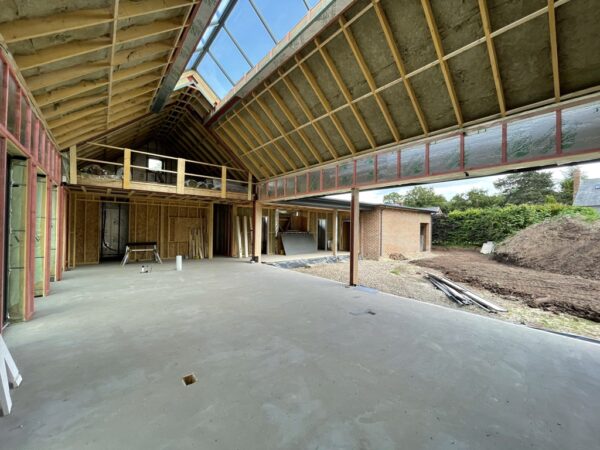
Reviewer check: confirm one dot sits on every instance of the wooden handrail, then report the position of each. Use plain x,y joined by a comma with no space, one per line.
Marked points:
99,162
152,170
165,156
181,173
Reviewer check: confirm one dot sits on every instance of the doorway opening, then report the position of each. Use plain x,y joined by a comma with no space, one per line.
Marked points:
16,238
41,194
424,237
115,231
222,230
322,234
344,244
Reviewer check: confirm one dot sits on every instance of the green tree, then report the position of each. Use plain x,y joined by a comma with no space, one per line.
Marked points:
417,197
475,198
565,192
526,187
393,198
421,197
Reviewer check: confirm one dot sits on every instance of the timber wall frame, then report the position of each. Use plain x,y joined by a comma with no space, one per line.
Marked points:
445,156
23,134
150,219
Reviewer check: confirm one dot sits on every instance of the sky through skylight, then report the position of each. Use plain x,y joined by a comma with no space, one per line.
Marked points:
240,35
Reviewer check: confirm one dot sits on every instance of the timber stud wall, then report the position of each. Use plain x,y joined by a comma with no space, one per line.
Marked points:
21,126
166,222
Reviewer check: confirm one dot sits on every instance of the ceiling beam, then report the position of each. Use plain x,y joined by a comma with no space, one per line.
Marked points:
60,52
282,131
111,57
258,171
136,32
439,50
141,52
290,117
63,93
49,79
487,31
312,81
245,139
362,63
345,92
258,140
134,8
309,115
554,49
25,29
282,152
393,46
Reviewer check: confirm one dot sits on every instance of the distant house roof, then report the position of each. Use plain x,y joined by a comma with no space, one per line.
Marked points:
588,193
345,205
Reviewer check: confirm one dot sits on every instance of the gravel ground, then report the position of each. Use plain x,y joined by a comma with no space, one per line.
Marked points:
405,279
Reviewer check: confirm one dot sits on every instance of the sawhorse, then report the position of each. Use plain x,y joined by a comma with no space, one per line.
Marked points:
10,378
147,247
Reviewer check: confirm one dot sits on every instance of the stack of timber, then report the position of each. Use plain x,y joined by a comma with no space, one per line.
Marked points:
242,230
196,248
462,296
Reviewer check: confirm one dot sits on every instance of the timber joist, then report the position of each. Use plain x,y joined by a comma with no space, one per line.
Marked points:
386,72
83,64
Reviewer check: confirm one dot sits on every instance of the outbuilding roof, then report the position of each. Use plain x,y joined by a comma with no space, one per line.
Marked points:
588,193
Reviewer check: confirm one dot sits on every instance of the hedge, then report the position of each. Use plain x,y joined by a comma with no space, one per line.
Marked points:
476,226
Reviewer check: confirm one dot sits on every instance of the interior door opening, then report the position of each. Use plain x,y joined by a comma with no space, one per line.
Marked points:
115,231
222,230
322,234
423,237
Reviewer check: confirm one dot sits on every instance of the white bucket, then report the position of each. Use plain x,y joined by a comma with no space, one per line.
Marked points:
179,262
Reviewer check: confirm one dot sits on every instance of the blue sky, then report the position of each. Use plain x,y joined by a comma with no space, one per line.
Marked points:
450,188
244,40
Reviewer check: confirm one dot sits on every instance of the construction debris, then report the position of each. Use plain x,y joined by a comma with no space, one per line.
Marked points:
460,295
488,248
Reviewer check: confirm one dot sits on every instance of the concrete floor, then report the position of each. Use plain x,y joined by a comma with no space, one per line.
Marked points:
285,361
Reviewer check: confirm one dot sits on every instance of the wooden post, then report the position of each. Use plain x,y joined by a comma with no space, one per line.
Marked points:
354,236
48,237
223,182
249,187
73,164
257,232
334,237
127,169
30,240
238,234
245,236
180,175
232,239
210,228
3,218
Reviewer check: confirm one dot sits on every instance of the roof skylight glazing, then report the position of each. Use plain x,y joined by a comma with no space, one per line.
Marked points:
240,35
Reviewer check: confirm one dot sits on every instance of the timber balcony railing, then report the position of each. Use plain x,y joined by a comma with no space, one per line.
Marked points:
123,168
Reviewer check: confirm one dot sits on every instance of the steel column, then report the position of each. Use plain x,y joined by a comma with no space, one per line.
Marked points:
354,236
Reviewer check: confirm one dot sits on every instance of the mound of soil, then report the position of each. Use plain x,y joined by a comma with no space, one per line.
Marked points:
568,246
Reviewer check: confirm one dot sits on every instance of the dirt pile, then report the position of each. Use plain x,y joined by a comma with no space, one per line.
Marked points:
567,245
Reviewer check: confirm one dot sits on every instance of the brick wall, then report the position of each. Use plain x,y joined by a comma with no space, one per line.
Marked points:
370,233
401,231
